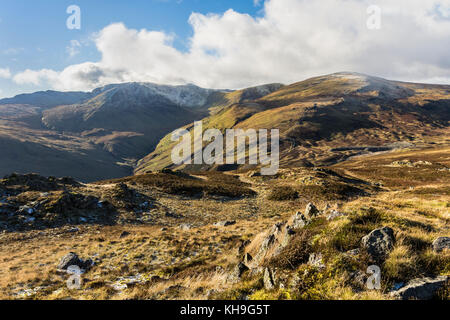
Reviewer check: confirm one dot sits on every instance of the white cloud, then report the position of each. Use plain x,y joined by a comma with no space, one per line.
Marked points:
293,40
74,48
5,73
36,77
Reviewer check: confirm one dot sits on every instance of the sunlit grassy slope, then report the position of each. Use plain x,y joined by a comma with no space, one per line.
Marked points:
339,110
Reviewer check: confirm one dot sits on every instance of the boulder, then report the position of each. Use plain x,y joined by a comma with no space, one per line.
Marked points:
421,288
379,243
72,259
441,244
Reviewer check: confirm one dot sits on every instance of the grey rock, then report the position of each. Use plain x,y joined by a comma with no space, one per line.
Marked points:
311,211
299,221
72,259
267,242
441,244
334,214
379,243
269,282
421,288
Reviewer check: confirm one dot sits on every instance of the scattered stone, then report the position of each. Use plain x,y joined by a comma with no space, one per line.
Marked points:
269,282
421,288
334,214
441,243
311,211
379,243
224,223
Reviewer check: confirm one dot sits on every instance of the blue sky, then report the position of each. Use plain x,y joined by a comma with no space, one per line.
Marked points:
33,34
219,43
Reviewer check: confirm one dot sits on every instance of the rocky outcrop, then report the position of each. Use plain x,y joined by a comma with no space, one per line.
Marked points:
269,244
421,288
379,243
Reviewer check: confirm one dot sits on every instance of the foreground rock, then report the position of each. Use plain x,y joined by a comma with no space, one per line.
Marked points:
269,282
421,289
72,259
379,243
441,244
311,211
270,243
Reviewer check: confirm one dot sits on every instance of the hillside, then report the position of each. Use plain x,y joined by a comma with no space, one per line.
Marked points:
296,235
330,118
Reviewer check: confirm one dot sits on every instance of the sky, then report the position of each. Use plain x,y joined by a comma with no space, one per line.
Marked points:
219,43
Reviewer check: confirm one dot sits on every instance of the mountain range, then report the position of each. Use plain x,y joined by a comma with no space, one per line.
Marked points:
122,129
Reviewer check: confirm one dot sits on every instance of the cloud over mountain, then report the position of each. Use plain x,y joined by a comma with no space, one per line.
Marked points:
291,40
